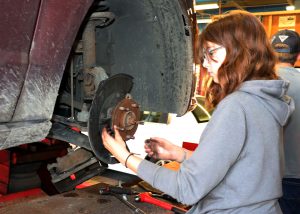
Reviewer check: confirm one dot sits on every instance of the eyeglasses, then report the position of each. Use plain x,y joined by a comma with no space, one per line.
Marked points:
209,54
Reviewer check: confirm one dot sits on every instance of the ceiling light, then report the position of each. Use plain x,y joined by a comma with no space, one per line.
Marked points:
290,7
204,21
206,6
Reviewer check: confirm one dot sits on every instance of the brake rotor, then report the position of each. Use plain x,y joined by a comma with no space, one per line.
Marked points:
110,93
126,116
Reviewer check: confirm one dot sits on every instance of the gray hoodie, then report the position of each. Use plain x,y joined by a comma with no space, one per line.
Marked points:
292,129
237,167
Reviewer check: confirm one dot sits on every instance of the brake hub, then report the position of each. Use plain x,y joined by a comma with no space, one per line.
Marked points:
112,105
126,116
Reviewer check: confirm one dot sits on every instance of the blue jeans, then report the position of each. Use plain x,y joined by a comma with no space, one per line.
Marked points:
290,201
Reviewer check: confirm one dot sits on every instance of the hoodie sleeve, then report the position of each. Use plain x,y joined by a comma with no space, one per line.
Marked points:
219,148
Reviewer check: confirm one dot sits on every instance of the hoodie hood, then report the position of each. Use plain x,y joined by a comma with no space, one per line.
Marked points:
272,93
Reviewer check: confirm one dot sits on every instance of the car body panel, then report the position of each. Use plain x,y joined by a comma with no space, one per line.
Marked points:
17,29
40,44
56,29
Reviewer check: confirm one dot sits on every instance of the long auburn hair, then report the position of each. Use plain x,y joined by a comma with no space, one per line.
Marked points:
249,54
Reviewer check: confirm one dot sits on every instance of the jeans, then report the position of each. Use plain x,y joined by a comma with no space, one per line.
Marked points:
290,201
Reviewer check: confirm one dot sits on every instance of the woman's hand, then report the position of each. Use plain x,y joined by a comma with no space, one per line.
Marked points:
160,148
115,145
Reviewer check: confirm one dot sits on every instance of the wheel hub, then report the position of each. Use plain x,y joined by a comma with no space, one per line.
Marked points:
126,117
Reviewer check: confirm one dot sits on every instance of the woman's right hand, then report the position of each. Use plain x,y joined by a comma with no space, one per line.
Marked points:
162,149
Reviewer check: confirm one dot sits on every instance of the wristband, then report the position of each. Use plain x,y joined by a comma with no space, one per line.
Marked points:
128,158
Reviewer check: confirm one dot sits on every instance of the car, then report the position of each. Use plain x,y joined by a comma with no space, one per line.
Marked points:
85,64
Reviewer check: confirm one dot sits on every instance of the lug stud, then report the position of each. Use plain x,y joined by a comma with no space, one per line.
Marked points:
129,137
120,128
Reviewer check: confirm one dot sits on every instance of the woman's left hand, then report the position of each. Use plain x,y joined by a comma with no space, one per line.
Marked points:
115,145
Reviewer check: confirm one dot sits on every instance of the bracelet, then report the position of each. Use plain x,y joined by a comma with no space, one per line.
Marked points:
128,158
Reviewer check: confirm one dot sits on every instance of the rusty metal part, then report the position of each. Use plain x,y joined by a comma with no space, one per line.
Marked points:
89,49
67,181
74,168
71,160
126,116
109,94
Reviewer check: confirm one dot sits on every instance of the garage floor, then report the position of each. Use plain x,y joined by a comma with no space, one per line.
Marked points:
86,201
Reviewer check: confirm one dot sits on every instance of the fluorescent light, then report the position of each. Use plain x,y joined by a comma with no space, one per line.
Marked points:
206,6
204,20
290,7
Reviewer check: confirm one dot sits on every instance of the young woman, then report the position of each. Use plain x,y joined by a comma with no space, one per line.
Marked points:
237,165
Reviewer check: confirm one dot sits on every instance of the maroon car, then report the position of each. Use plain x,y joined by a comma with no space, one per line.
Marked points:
89,64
